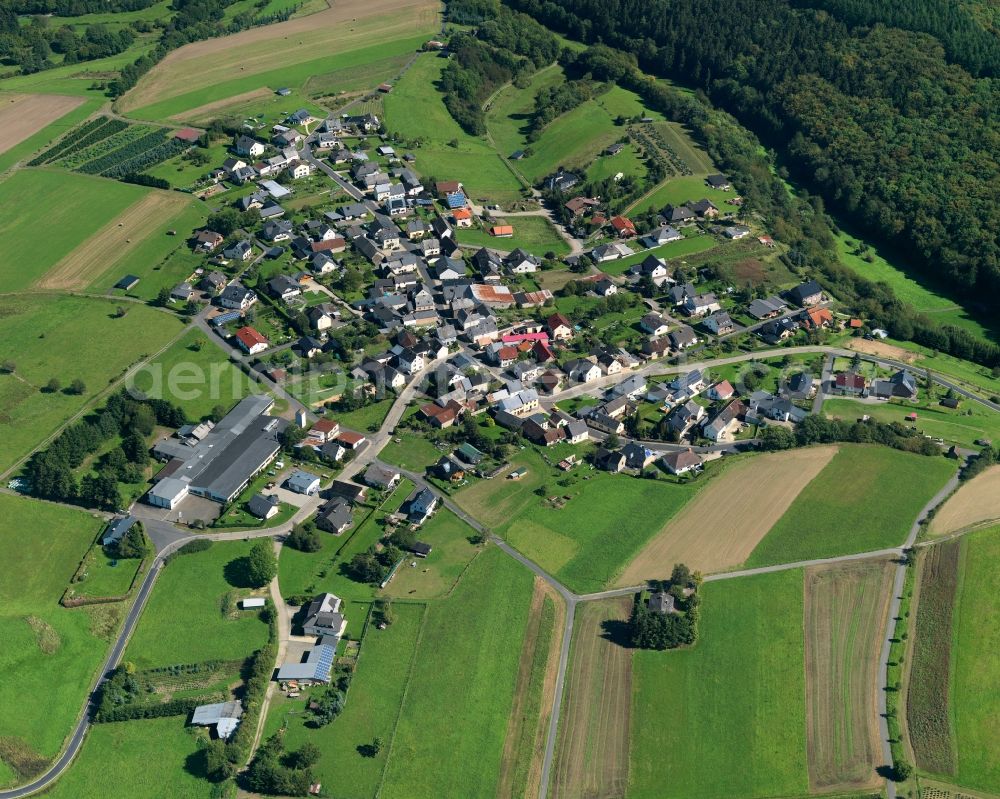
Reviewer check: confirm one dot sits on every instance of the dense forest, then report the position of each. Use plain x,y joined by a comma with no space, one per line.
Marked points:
877,120
32,46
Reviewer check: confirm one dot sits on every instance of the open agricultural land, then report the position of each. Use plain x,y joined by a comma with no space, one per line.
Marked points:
845,614
50,653
53,338
86,204
300,48
865,499
592,755
975,502
21,115
726,717
583,540
721,526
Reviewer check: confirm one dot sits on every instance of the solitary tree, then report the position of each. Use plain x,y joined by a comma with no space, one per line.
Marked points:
262,565
77,387
53,385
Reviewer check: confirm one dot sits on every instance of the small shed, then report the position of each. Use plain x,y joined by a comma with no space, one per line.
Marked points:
127,283
252,602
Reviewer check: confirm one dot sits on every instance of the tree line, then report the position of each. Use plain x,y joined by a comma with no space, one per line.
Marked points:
876,119
33,46
820,430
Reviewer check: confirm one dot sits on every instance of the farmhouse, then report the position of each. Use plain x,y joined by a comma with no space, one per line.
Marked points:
317,665
808,293
323,617
850,383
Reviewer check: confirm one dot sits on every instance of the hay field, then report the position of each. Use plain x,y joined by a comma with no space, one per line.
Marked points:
209,111
347,25
23,115
975,501
723,524
845,614
883,350
113,243
592,753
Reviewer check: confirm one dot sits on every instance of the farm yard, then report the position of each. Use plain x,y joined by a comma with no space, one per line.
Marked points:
976,501
592,752
845,615
50,653
730,711
865,499
22,115
49,337
721,526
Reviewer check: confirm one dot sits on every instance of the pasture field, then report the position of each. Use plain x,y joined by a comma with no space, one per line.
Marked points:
438,573
190,616
508,113
21,115
78,79
377,690
592,535
245,61
730,711
49,653
65,338
721,526
413,452
928,714
963,426
679,190
675,249
532,233
520,769
153,758
349,82
194,374
130,239
449,739
85,204
866,498
445,152
846,608
678,138
628,161
976,645
592,751
975,502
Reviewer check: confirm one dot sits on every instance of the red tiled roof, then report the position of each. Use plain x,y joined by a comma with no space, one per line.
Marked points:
250,337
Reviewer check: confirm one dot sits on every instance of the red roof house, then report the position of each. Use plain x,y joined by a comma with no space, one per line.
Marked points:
250,341
623,227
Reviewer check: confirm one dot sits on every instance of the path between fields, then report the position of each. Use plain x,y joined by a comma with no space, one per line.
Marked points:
167,536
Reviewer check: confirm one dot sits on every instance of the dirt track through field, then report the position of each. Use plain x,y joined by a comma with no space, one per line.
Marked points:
22,115
975,502
845,612
592,755
882,349
722,525
526,728
207,112
113,243
346,25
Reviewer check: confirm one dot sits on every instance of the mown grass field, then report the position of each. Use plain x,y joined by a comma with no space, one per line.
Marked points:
845,614
37,232
435,575
675,249
445,151
679,190
628,162
49,661
592,752
592,536
532,233
928,714
963,426
865,499
153,758
195,374
184,620
373,704
976,646
729,712
65,338
413,452
450,735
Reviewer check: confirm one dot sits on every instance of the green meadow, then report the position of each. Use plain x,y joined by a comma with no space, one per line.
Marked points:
532,233
865,499
727,716
675,249
50,654
679,190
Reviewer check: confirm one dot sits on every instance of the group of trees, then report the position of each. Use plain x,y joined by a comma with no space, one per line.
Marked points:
552,101
876,119
134,544
275,771
51,475
33,46
816,429
305,538
650,629
375,564
986,458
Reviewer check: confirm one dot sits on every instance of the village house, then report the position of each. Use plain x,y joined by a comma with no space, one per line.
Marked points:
681,461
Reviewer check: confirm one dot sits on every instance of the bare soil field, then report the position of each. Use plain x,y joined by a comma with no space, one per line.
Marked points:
845,612
113,243
346,25
524,748
22,115
209,111
723,524
882,349
975,502
592,753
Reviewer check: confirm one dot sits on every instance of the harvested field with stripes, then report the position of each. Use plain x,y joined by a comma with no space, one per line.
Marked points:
22,115
975,502
845,614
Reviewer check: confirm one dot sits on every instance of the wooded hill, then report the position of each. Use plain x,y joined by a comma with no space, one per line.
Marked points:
893,134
